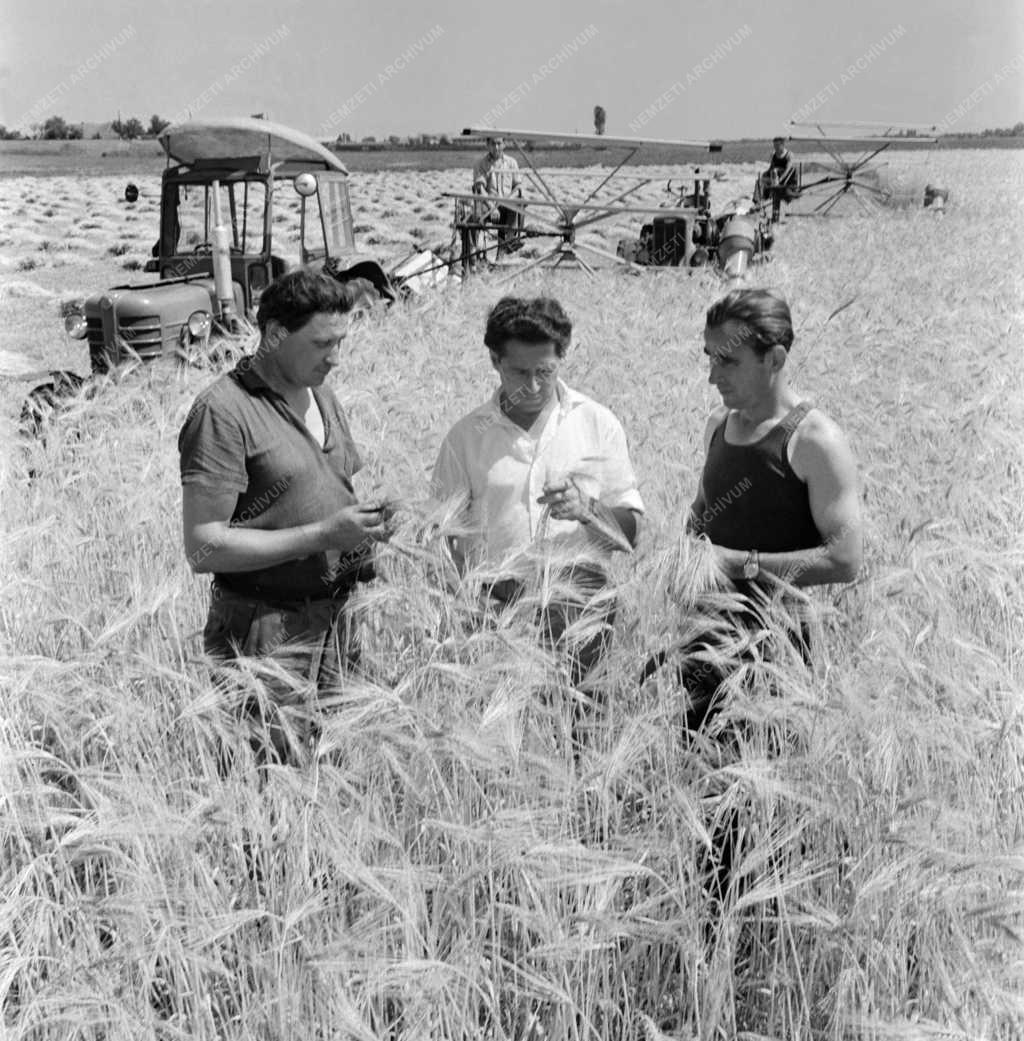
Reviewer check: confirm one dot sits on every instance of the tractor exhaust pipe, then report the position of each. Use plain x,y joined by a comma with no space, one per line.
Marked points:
221,254
736,247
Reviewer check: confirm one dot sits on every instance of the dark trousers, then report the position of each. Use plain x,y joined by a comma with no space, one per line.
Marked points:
509,224
306,647
693,666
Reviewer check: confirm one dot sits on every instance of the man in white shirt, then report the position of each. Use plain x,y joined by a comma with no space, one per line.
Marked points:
498,174
545,475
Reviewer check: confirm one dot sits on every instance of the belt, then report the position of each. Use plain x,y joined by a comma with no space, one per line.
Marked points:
221,591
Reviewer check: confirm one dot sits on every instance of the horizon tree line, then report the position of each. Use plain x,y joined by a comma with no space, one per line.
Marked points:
56,128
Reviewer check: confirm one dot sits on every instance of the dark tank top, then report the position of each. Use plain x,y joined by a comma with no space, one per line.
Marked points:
752,498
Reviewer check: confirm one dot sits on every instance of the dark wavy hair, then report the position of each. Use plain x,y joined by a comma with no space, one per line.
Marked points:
295,297
763,313
538,319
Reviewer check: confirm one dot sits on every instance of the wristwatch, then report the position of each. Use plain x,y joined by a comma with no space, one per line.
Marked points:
751,566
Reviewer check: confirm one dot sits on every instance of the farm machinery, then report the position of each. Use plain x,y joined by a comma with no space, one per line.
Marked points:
850,172
679,233
215,253
686,234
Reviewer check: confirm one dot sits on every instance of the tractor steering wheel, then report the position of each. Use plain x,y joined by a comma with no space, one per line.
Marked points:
207,247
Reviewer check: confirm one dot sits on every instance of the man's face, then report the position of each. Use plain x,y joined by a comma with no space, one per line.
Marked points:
780,147
306,357
738,373
496,147
528,373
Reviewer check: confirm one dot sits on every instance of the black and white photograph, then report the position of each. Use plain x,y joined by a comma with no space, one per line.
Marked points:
513,521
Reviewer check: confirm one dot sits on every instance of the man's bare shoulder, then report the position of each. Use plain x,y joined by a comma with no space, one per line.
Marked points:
817,441
817,427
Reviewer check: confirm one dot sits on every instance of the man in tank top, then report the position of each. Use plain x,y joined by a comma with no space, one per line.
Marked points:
778,499
778,495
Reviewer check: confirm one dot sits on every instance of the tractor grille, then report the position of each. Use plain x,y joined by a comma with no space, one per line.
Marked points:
142,334
94,333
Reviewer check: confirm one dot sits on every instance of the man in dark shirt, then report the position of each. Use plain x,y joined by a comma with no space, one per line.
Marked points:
267,499
781,161
779,181
793,511
778,495
778,500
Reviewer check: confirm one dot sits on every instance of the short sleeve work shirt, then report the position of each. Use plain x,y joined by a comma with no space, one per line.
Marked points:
496,176
240,435
501,470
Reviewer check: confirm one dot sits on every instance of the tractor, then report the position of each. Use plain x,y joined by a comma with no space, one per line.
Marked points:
689,236
215,252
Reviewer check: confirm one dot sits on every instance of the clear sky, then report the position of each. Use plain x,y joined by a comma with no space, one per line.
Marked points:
661,68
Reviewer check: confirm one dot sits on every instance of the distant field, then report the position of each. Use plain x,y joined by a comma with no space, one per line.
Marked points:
143,158
66,236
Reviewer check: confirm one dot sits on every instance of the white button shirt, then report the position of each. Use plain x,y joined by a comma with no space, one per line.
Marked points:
496,176
501,470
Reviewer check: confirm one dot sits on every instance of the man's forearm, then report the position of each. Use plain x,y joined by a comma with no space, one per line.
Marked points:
226,549
817,566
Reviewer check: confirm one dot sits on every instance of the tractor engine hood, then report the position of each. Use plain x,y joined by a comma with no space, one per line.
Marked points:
148,321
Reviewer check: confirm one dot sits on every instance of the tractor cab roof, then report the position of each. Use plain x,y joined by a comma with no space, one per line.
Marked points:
242,143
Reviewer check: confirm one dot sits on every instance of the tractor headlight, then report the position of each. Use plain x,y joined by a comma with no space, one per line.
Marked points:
75,325
305,185
199,325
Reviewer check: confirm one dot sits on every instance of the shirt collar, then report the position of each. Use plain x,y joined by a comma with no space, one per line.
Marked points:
568,399
246,374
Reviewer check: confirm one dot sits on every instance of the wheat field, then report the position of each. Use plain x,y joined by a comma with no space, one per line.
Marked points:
449,863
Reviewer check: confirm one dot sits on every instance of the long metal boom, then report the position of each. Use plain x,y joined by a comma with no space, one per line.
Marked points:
853,141
857,123
589,139
856,139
